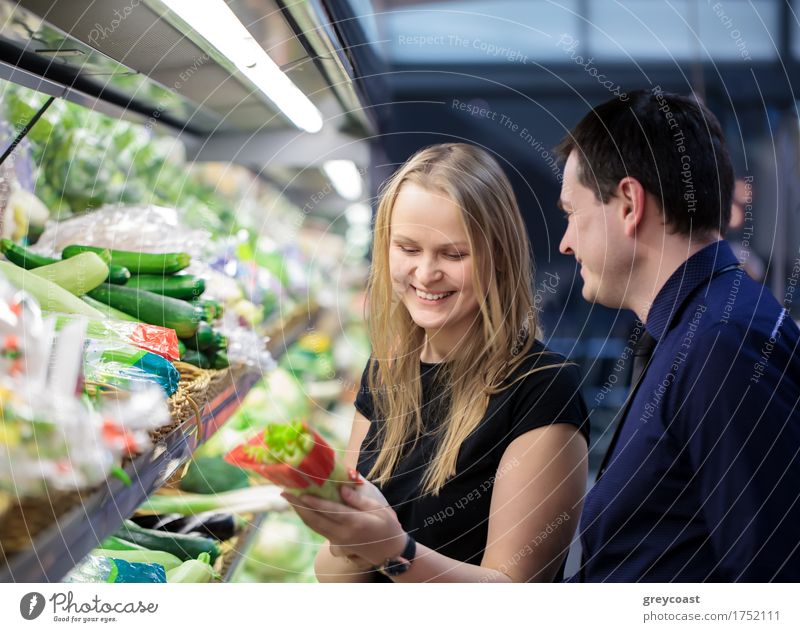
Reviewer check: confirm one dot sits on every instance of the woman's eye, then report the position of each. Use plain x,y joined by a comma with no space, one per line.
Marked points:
408,250
455,256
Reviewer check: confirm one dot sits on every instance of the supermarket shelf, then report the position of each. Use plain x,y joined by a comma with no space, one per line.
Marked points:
61,546
243,542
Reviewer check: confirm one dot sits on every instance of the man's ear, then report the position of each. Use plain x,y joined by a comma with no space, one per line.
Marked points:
632,196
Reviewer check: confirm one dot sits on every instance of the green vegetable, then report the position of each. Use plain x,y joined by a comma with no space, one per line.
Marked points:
23,257
183,286
192,571
220,360
150,308
117,274
282,550
202,339
51,297
211,475
78,275
113,543
109,312
252,499
30,260
211,309
143,556
198,358
182,545
181,348
138,262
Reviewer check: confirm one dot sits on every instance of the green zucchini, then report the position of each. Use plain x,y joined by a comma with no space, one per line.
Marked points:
139,262
29,260
183,546
109,312
197,571
220,360
211,309
78,275
51,297
182,286
143,556
198,358
150,308
18,255
117,274
202,339
113,543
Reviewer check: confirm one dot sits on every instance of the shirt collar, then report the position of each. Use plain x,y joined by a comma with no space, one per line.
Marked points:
697,269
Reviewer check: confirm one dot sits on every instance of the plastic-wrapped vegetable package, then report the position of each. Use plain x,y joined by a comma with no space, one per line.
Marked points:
104,570
146,228
159,340
51,436
126,367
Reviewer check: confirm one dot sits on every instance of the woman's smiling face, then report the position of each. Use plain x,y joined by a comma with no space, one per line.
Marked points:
430,261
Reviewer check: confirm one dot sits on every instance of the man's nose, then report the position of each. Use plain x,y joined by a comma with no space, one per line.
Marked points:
564,248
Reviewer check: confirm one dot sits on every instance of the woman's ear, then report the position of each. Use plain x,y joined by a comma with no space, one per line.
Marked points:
632,196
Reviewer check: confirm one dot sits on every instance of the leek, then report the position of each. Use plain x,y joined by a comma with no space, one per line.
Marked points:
249,500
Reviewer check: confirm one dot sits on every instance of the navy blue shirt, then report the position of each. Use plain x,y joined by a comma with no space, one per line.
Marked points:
703,483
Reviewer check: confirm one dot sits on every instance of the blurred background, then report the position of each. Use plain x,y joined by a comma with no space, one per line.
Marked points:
277,148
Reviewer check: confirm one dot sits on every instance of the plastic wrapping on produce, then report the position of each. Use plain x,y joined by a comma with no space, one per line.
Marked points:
145,228
104,570
25,340
245,346
66,443
159,340
49,442
119,365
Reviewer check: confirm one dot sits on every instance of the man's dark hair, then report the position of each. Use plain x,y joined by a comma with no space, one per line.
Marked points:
673,145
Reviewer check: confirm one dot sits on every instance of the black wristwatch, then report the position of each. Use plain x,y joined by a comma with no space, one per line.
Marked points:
394,566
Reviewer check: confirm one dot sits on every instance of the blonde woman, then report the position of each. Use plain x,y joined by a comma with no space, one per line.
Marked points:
473,436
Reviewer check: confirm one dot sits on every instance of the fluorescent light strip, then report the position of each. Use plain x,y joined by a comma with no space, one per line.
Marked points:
344,177
214,20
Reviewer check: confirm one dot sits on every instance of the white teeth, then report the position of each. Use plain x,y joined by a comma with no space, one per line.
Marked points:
432,297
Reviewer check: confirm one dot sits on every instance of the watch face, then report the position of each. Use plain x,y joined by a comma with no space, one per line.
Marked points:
396,567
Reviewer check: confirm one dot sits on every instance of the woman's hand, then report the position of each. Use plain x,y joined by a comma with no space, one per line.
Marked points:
366,527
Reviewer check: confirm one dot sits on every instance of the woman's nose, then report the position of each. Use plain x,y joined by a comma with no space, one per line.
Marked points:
428,271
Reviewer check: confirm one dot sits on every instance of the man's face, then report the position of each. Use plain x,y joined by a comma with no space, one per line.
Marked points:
595,237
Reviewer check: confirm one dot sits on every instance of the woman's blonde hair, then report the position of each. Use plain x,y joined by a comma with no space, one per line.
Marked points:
499,337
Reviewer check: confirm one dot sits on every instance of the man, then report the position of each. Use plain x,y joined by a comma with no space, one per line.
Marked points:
702,478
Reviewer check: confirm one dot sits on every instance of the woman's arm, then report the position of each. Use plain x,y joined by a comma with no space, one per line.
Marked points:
340,568
537,496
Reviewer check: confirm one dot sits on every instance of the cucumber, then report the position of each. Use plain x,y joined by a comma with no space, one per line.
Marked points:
23,257
183,286
183,546
139,262
150,308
